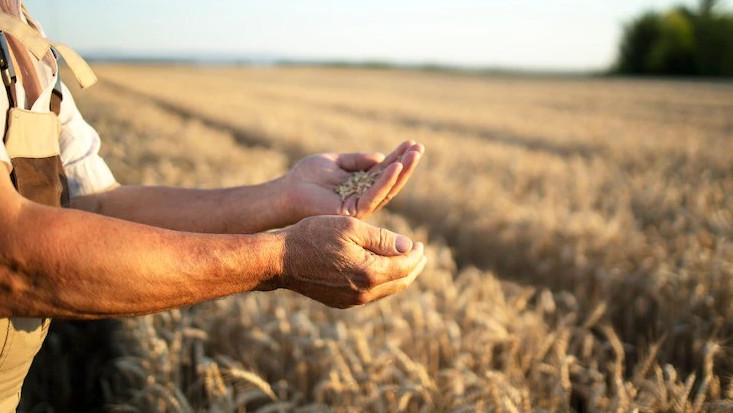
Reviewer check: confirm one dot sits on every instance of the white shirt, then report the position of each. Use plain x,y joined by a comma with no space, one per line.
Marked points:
85,170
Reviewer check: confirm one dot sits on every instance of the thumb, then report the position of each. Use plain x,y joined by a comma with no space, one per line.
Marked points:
383,242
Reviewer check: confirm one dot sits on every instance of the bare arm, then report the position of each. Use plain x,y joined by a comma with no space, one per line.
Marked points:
306,190
72,264
66,263
238,210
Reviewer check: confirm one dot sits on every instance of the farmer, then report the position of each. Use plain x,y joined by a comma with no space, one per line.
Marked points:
76,244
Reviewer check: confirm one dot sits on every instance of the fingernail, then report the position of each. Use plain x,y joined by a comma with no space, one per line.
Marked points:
403,244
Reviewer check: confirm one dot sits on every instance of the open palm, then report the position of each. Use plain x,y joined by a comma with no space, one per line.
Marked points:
312,181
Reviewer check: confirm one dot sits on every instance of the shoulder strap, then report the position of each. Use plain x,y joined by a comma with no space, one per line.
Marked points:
35,43
9,78
84,74
7,71
56,95
39,46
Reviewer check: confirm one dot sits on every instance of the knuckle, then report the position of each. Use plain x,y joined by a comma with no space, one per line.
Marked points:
348,224
384,239
311,224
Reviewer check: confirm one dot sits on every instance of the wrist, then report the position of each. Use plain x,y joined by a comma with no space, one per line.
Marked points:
274,268
250,209
297,202
263,256
287,199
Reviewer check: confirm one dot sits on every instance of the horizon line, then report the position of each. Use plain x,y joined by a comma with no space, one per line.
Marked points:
273,59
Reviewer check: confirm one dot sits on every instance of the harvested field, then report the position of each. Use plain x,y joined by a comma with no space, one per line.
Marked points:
579,234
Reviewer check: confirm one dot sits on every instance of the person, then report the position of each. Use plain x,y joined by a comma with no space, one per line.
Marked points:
76,244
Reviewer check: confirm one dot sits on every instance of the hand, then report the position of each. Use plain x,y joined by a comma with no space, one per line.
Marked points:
311,182
342,262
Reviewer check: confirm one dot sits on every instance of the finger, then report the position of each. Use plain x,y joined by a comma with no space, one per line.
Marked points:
394,286
346,297
335,176
385,269
380,241
416,147
395,155
358,161
330,296
409,162
349,207
389,269
368,202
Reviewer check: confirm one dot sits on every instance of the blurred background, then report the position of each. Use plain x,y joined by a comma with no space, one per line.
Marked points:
631,36
575,198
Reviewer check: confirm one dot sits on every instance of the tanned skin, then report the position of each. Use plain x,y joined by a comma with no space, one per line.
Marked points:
306,190
138,250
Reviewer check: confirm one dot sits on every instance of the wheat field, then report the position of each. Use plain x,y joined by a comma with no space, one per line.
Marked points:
579,234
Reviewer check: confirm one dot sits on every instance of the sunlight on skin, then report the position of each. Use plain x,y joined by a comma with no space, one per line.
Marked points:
313,179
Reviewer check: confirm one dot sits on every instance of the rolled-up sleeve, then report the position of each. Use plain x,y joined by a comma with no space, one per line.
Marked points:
86,171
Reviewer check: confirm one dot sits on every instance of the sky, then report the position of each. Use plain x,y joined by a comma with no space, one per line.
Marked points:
567,35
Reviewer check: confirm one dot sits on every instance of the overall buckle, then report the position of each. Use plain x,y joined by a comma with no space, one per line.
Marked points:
7,70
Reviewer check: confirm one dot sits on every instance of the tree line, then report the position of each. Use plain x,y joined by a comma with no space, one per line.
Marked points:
680,41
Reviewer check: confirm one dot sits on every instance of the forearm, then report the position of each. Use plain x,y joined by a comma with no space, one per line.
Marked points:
238,210
72,264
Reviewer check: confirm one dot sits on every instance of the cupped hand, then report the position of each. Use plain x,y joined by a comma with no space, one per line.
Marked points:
313,180
343,262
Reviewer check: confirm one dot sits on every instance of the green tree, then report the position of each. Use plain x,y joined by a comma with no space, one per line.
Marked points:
707,7
679,42
638,42
714,35
673,51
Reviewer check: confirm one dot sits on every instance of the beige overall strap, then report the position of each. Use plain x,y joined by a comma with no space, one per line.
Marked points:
39,46
83,73
35,43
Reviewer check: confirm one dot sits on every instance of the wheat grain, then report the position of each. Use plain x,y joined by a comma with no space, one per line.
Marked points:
356,184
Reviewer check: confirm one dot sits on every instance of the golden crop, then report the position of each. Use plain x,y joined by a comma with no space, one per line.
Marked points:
357,183
579,232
